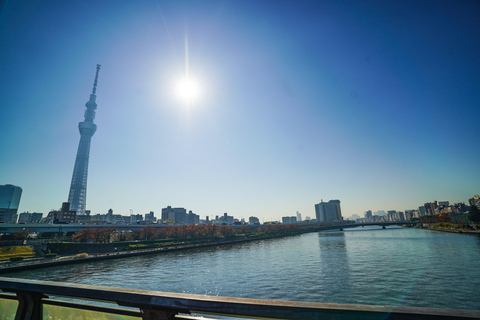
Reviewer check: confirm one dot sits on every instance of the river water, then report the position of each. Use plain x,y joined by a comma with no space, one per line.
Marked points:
396,266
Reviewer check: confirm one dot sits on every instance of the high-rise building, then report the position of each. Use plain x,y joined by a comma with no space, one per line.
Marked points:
422,211
299,217
368,214
77,196
9,200
430,208
328,211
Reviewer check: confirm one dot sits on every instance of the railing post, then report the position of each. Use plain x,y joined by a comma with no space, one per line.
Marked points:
29,306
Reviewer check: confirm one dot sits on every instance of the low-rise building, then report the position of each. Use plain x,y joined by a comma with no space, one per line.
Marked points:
253,220
27,217
64,215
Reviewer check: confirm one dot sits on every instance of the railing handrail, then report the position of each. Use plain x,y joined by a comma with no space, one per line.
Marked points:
188,303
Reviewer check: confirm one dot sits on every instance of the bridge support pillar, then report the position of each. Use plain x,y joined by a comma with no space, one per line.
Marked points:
29,306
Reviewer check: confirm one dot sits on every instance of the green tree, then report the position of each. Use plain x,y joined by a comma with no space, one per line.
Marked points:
474,214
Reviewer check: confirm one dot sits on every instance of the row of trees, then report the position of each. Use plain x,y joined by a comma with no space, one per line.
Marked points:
110,234
96,235
149,233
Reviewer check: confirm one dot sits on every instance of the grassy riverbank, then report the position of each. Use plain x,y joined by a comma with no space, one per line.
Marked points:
16,252
451,228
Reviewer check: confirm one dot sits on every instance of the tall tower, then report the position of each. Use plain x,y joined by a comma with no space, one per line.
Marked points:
78,188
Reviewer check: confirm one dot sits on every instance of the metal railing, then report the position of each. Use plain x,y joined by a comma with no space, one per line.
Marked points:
33,302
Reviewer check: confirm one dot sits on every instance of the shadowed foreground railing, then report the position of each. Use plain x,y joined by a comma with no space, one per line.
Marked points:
31,301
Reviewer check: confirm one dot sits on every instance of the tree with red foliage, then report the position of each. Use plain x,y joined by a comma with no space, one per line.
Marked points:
150,233
85,235
244,230
225,230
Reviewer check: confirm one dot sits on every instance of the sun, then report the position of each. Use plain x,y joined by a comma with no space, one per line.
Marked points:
187,90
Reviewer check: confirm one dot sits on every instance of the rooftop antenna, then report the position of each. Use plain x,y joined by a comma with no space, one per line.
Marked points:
96,78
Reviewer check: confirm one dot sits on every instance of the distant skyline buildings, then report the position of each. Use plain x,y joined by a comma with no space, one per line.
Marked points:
299,217
178,216
77,196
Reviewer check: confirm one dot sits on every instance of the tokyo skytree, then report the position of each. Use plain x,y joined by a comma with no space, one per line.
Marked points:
78,188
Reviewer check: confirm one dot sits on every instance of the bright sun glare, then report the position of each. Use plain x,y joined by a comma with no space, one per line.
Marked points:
187,90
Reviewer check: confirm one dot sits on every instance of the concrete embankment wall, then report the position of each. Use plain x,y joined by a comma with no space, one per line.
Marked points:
62,248
70,248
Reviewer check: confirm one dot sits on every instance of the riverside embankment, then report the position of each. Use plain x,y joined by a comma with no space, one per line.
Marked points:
451,230
68,252
74,259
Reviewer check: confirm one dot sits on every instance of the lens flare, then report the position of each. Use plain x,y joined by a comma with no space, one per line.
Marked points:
187,90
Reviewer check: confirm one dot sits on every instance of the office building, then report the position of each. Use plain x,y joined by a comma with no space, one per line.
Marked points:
9,201
150,216
27,217
174,215
328,211
192,218
289,220
77,196
136,218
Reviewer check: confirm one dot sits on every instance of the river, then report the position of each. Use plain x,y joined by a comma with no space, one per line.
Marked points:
396,266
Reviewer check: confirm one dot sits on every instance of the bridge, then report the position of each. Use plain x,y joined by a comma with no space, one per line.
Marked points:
357,225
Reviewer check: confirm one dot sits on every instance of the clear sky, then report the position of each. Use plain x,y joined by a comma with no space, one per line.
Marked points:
374,103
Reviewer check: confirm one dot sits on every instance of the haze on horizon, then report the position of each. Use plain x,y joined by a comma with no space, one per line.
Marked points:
373,103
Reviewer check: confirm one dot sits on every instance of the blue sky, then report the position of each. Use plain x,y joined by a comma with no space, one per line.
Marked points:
374,103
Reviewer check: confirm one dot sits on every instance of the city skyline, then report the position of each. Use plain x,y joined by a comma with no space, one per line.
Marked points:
370,103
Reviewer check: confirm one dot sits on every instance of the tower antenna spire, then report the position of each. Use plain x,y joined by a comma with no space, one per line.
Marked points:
96,79
77,196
